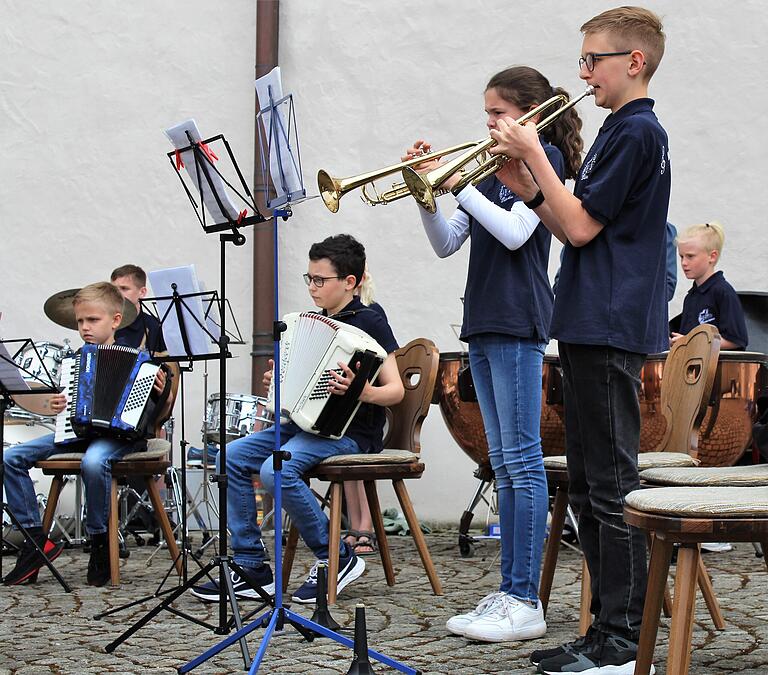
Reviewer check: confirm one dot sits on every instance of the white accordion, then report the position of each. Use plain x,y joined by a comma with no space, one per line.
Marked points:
310,348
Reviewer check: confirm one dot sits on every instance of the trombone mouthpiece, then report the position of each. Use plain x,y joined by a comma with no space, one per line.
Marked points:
590,90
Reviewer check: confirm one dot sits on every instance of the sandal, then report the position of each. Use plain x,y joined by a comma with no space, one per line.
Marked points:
349,537
366,544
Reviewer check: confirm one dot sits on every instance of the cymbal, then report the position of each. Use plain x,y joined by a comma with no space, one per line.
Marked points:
58,308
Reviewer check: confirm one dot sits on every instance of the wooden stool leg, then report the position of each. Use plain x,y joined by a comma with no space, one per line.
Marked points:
679,659
418,536
585,615
378,527
658,571
112,538
713,604
552,550
334,537
53,499
162,519
289,554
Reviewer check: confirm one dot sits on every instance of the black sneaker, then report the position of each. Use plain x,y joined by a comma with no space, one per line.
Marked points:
258,577
605,654
350,568
580,643
29,562
98,564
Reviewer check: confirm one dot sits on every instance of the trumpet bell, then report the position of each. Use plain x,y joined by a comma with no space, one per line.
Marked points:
420,189
330,190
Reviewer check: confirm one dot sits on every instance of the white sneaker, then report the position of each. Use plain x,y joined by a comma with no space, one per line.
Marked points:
508,620
457,624
716,546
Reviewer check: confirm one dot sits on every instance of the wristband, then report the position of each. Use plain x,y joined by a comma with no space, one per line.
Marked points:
537,200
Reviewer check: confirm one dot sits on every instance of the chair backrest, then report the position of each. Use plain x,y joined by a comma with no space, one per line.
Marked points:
175,379
686,384
417,362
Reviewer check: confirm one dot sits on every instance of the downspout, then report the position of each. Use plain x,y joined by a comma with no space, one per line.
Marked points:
267,25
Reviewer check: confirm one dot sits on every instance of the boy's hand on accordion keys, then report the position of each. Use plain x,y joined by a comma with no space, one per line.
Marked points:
341,383
267,379
57,403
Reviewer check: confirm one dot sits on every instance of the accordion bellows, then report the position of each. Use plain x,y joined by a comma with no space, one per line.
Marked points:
311,347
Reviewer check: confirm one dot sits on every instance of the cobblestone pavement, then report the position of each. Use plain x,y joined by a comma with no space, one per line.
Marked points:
44,630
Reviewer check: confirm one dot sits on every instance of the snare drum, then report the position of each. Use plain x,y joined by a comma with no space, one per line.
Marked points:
48,357
245,414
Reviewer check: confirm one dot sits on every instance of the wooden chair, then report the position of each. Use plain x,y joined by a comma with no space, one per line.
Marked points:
150,464
688,517
418,363
689,374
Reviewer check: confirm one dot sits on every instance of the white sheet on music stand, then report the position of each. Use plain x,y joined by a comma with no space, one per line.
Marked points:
9,373
178,138
279,150
186,282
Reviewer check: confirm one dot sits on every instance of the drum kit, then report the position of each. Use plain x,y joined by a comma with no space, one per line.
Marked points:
726,432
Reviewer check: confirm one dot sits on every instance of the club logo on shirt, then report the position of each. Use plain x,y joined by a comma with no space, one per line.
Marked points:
505,194
663,160
705,316
586,169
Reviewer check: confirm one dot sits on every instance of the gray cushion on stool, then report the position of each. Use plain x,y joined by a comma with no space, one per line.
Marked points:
157,448
702,502
645,460
712,476
386,457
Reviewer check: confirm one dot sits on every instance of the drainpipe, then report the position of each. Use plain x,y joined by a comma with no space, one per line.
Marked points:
267,25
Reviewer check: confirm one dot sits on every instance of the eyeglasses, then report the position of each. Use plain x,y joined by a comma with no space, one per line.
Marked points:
591,59
317,280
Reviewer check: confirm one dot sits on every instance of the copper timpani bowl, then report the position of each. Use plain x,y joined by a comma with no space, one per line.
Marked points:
725,432
465,422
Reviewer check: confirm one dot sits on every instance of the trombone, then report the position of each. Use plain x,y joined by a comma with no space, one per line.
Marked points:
427,187
333,189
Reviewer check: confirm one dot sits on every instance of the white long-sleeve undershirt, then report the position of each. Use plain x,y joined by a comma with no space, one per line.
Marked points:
512,228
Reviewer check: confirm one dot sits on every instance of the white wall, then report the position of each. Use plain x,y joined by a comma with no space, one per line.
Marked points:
89,86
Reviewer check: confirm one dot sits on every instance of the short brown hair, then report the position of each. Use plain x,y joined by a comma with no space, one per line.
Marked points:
103,292
139,275
633,28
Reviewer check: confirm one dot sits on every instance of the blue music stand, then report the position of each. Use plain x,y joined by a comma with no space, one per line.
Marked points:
276,617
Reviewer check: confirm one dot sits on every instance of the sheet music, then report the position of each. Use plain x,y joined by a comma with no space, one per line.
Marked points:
186,282
9,373
282,167
178,138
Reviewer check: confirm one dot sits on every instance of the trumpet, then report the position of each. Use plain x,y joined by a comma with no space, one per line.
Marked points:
333,189
427,187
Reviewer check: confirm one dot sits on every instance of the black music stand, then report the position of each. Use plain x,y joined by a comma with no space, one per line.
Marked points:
275,618
209,181
6,394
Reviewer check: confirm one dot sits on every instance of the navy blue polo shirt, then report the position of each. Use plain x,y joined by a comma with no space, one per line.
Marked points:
717,303
367,427
507,291
612,291
143,325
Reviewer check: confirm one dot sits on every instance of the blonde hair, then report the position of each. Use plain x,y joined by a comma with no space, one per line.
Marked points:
366,288
633,28
102,291
711,235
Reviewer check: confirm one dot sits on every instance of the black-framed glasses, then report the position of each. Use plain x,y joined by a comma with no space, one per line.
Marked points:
318,281
590,59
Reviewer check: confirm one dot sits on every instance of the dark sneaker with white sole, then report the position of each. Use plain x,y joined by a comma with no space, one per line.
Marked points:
540,655
605,654
350,568
253,577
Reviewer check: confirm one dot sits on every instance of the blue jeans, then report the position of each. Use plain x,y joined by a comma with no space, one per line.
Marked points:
95,469
507,374
253,454
602,435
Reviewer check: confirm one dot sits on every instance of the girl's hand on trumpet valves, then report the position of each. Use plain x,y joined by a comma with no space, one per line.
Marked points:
423,148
